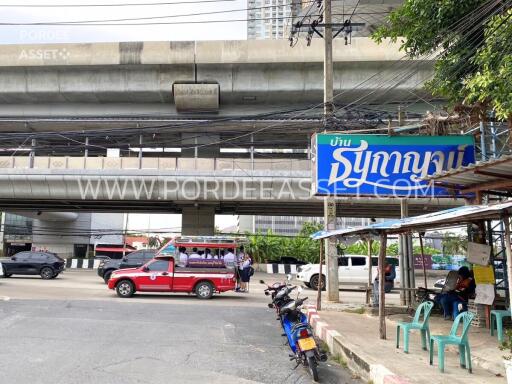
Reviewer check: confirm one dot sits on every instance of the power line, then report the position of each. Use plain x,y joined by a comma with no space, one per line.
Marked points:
166,16
96,24
111,4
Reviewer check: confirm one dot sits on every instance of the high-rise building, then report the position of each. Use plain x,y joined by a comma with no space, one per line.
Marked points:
291,225
268,19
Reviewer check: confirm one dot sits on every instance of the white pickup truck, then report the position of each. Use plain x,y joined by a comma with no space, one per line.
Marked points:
352,269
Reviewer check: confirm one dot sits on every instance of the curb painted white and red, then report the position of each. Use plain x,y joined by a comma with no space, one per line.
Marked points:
377,373
82,263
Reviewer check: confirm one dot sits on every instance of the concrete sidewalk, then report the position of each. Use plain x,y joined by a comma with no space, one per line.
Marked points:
355,337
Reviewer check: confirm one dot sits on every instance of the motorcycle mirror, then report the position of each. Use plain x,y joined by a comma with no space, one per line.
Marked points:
288,277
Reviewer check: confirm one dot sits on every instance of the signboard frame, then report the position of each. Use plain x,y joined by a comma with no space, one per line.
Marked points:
383,165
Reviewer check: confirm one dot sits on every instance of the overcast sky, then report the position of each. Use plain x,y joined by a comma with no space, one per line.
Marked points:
64,34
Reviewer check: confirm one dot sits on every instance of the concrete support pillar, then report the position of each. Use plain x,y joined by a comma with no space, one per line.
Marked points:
140,151
331,255
32,153
198,221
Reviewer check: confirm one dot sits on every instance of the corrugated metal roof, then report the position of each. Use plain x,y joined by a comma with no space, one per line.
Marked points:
483,172
449,217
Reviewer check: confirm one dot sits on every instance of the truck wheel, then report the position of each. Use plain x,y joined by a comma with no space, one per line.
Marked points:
46,273
204,290
314,282
125,289
106,276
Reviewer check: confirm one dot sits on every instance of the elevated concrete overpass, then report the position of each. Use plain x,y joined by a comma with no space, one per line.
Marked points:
84,87
204,186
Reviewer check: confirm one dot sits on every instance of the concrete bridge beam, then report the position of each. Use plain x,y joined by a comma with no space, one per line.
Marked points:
198,220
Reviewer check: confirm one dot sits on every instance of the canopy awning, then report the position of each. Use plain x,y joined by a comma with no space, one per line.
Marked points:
489,176
446,218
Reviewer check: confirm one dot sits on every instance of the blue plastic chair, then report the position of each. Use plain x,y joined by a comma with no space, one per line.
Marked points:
425,309
497,317
462,341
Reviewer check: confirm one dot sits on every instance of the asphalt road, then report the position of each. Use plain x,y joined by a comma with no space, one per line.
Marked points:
74,330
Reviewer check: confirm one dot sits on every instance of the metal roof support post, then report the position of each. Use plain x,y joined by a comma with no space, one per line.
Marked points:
370,241
482,140
403,259
319,294
508,249
382,293
410,266
423,259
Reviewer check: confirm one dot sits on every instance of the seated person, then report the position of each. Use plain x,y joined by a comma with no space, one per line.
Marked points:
456,300
389,282
229,258
183,257
208,253
194,254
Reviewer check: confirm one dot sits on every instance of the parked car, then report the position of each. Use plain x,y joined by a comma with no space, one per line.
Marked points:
132,260
46,264
352,269
287,260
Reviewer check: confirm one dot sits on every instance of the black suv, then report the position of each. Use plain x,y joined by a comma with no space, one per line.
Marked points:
132,260
46,264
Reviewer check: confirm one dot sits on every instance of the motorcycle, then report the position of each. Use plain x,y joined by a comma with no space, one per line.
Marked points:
280,293
272,289
300,336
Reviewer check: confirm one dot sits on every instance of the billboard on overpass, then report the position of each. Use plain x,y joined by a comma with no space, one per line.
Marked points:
386,166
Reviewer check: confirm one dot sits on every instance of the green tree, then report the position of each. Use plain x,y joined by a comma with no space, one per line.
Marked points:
454,245
264,247
472,47
491,83
416,249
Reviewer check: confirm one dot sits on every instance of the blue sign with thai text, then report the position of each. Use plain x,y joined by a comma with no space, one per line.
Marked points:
381,165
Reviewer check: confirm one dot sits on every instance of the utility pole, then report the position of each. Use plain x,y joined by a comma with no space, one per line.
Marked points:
331,254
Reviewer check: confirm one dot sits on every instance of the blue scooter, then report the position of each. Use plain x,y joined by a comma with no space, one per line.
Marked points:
300,336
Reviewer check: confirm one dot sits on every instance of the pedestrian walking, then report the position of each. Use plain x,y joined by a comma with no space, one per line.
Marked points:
246,272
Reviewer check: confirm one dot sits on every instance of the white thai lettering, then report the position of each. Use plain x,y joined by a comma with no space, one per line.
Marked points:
412,165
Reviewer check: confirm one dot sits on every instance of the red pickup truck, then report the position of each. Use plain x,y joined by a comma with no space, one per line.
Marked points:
162,275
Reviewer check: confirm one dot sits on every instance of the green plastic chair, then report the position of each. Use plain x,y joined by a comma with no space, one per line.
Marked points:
425,309
497,317
462,341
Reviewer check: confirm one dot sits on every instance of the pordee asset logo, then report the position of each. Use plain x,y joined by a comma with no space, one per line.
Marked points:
386,166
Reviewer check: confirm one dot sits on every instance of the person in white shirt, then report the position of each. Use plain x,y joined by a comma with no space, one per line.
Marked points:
183,257
208,253
244,274
194,254
229,259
